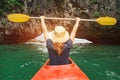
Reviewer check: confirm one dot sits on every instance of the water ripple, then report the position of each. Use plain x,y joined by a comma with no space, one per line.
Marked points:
25,64
112,75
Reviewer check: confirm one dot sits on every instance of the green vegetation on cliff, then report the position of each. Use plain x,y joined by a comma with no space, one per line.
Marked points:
10,6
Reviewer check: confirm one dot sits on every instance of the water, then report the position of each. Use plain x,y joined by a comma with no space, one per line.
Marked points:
22,61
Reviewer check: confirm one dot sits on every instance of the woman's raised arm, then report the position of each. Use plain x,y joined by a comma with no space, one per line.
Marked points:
74,30
44,28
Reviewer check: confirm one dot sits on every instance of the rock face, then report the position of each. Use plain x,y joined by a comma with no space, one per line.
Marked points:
89,9
19,32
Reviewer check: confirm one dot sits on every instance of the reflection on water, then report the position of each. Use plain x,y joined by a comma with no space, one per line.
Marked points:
21,61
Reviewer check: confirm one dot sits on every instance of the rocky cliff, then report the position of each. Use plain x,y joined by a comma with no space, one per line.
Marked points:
87,9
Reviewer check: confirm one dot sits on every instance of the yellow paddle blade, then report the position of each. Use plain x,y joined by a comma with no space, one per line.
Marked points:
18,17
106,21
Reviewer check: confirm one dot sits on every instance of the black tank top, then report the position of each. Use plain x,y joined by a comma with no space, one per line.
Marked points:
54,58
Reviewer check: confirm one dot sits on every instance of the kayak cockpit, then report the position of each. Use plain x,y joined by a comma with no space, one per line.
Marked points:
60,72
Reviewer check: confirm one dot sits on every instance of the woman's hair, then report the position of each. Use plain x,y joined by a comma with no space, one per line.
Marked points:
58,48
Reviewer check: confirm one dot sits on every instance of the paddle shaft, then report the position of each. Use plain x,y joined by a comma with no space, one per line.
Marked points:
63,18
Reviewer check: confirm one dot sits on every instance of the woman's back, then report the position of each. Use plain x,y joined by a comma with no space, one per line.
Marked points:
56,59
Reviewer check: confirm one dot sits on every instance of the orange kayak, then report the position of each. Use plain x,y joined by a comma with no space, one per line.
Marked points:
60,72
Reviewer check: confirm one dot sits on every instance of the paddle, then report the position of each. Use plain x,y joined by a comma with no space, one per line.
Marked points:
24,18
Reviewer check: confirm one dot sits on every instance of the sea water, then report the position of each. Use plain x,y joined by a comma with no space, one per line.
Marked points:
22,61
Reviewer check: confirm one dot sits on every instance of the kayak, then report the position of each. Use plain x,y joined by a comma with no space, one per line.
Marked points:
60,72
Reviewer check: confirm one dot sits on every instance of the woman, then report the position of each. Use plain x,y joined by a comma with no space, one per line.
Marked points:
59,43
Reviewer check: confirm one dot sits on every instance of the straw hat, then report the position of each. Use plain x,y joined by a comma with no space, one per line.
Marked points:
59,34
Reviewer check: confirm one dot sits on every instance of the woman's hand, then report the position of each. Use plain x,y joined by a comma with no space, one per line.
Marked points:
42,17
78,19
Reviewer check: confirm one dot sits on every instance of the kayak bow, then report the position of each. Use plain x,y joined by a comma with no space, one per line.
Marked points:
60,72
